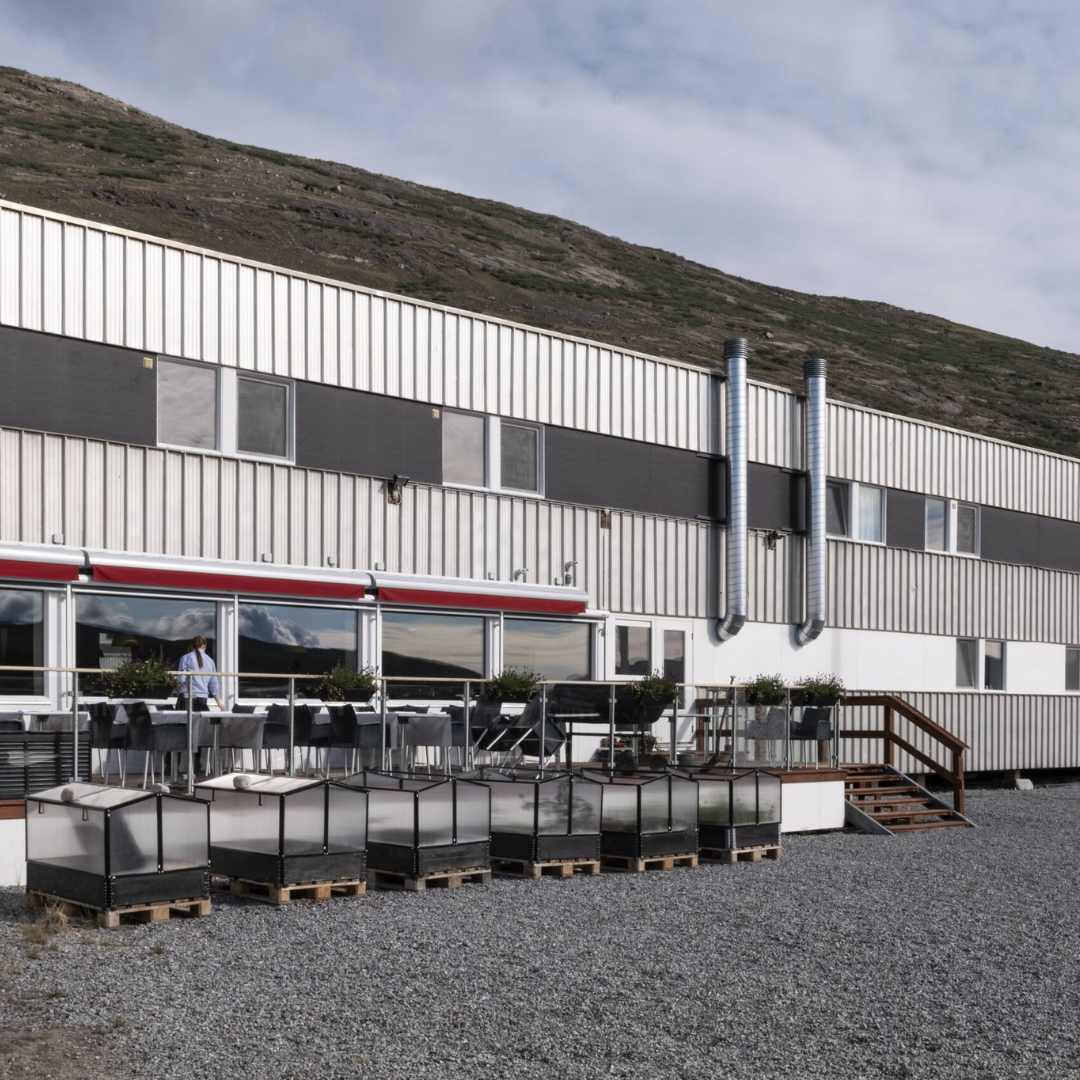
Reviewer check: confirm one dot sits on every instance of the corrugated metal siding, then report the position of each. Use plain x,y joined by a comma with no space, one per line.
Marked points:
775,426
131,498
775,579
85,280
1003,731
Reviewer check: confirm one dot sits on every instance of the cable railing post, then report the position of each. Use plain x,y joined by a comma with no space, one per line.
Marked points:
382,719
543,728
75,730
290,768
469,757
190,786
611,728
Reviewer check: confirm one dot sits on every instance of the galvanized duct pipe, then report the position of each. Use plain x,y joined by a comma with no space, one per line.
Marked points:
816,549
735,571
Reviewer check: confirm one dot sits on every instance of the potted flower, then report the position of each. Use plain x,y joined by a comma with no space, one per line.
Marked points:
139,679
343,683
821,690
766,690
650,697
518,685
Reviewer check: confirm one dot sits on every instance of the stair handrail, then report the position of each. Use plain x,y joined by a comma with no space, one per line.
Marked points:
891,705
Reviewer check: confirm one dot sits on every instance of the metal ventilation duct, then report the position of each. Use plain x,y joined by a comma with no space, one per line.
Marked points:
816,446
735,583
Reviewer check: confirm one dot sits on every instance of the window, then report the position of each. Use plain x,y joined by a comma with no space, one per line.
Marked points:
1072,669
633,650
289,639
218,409
428,646
554,650
967,663
484,451
994,665
187,402
115,629
868,522
937,525
262,417
22,641
675,655
967,529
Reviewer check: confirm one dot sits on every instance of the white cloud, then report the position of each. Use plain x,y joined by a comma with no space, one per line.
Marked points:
894,151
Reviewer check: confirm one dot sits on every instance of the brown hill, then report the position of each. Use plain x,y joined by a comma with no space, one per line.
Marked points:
69,149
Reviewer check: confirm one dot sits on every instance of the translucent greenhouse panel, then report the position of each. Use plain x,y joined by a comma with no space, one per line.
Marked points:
554,799
620,807
305,821
66,836
377,780
587,802
392,817
133,838
654,807
714,802
347,828
245,821
744,800
512,806
684,804
183,834
768,799
473,813
437,816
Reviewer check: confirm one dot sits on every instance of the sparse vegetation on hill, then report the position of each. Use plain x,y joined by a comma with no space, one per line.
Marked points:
66,148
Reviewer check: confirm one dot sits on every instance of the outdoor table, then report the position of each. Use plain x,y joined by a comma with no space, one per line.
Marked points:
244,730
58,721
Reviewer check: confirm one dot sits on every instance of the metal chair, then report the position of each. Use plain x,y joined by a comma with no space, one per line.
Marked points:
813,727
434,732
105,737
10,722
276,731
144,735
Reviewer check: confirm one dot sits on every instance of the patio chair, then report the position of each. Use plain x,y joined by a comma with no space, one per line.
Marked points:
106,735
813,727
144,735
435,732
276,732
11,722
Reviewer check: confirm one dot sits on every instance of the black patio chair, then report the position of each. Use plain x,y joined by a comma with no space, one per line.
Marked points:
276,731
813,727
144,735
106,736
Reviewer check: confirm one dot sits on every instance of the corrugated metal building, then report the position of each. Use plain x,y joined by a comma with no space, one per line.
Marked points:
171,411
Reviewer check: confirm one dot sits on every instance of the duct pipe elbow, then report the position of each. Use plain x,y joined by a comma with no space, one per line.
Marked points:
809,631
729,626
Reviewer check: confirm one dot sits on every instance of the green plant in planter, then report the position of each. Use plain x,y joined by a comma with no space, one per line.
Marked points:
766,690
820,689
513,684
343,683
654,687
137,679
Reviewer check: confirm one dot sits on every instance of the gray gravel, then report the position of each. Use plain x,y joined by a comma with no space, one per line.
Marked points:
952,954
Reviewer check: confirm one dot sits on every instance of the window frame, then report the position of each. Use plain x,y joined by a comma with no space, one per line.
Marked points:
290,415
980,666
219,435
1072,649
977,667
493,455
853,487
944,550
954,521
650,661
506,618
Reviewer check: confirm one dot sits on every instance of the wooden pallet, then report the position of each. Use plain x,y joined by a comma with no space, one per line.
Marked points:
560,868
743,854
302,890
653,862
110,918
439,879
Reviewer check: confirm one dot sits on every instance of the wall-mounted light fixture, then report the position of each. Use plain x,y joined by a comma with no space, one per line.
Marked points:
772,538
568,572
394,488
267,556
522,573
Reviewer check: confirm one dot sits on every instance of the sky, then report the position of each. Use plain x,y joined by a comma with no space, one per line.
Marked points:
918,153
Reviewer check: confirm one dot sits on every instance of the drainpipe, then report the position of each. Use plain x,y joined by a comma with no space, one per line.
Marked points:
735,586
816,446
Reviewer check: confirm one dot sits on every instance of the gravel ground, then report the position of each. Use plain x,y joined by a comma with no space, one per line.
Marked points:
952,954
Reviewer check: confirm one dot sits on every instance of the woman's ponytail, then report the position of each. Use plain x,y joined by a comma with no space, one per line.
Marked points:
198,644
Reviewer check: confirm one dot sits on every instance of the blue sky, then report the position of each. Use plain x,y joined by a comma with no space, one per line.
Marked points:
918,153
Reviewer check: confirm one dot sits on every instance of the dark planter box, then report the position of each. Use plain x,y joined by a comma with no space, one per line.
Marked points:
360,696
281,870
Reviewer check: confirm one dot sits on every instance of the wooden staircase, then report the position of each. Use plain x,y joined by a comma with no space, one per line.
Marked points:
882,800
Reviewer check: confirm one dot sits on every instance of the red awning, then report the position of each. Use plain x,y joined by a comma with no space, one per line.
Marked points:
238,583
539,605
38,571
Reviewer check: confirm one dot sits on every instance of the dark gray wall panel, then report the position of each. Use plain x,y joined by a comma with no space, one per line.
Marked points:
367,434
905,519
76,388
600,470
1009,536
1059,544
774,498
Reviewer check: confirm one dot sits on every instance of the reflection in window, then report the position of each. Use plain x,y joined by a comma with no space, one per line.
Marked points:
836,508
871,513
1072,669
555,650
937,536
187,403
293,640
633,650
111,630
520,457
675,655
994,665
463,449
427,646
967,529
22,640
967,663
262,417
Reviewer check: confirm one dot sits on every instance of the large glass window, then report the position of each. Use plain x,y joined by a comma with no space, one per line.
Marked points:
428,646
871,523
967,529
291,640
262,417
836,508
633,650
555,650
464,450
111,630
994,665
937,525
520,457
967,663
187,403
22,640
1072,669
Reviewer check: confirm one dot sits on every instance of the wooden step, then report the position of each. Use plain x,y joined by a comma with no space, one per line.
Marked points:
868,805
892,789
917,811
949,824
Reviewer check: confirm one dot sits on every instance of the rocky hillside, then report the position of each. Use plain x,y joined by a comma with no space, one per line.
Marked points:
72,150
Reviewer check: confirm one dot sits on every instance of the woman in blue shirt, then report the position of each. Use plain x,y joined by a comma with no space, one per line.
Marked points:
205,682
